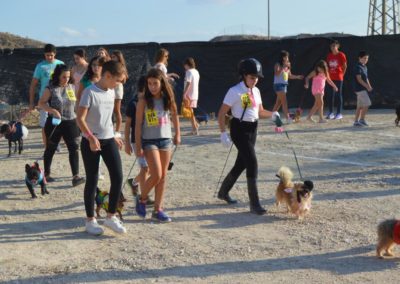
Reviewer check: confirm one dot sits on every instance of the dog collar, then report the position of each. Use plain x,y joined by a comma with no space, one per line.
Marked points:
40,179
288,190
396,233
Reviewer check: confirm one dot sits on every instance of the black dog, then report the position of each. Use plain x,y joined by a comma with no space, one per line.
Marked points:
397,120
34,176
14,132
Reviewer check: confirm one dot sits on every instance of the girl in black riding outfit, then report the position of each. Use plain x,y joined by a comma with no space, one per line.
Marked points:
244,101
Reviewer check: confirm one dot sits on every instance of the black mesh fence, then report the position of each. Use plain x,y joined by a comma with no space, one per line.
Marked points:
217,64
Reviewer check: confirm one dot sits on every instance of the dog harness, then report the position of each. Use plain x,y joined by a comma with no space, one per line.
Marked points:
396,233
102,198
40,179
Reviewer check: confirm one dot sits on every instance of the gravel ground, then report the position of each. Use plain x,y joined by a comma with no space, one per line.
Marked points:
355,172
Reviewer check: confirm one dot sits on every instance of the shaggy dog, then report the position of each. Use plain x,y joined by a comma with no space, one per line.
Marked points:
296,196
388,237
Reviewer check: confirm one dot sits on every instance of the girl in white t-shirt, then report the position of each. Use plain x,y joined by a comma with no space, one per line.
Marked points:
244,100
191,90
95,122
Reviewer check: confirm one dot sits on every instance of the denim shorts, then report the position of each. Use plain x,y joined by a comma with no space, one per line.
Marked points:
162,144
280,88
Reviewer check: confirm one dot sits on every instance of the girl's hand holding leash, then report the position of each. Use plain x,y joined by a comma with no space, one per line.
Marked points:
226,140
56,113
94,143
276,118
139,150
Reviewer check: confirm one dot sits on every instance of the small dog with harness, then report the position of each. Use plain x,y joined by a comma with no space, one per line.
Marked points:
296,196
35,176
102,199
15,132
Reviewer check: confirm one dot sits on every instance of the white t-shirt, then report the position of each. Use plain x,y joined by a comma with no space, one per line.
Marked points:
100,105
119,91
236,98
162,67
192,77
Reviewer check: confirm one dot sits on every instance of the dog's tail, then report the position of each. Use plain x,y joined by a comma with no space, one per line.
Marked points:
285,175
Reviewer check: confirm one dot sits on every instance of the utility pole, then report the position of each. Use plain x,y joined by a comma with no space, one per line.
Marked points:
383,17
269,31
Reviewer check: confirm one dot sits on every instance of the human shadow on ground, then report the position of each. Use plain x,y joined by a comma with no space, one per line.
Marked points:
48,230
40,211
347,195
344,262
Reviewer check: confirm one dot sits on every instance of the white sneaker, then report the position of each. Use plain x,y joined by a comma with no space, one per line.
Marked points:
114,224
93,228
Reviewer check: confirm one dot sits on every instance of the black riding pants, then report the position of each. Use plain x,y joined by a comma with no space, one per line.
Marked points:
244,135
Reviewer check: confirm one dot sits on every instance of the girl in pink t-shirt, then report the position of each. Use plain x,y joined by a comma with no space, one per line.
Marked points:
319,75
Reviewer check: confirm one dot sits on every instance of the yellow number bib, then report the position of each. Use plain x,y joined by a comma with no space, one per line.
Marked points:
71,95
285,76
245,100
151,117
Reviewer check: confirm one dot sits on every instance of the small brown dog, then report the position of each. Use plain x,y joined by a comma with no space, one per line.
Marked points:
388,237
102,203
296,115
296,196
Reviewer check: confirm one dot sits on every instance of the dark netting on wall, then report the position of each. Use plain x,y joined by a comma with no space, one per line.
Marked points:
217,64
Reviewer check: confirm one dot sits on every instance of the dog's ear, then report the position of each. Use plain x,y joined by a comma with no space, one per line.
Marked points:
27,168
36,165
309,185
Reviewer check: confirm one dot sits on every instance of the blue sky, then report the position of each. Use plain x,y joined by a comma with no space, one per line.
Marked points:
87,22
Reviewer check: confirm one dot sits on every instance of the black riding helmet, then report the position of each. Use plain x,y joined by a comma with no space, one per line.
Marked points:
250,66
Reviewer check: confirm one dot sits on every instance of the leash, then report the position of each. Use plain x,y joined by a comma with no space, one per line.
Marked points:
171,164
294,153
52,132
130,171
223,169
227,157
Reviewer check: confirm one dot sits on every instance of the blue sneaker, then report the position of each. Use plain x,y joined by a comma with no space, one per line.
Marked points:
140,207
160,216
357,123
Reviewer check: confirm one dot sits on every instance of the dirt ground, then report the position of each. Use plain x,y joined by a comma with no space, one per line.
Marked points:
357,184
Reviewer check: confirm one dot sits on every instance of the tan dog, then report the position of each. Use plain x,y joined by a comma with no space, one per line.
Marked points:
388,237
296,196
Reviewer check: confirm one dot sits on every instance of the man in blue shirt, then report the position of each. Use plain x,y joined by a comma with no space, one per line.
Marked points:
42,75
